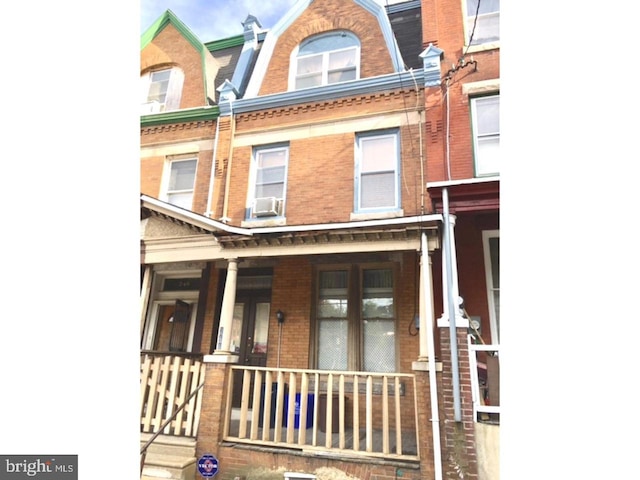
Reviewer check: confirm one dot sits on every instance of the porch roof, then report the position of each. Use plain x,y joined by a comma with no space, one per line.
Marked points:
212,239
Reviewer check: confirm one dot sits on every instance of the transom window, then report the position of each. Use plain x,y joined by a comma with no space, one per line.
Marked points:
486,27
182,176
356,320
269,175
377,164
485,114
325,59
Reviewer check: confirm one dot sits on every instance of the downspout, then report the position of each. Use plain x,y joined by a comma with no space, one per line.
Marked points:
433,385
213,168
451,304
225,207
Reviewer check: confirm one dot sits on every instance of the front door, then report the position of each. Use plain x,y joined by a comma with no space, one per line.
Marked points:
249,334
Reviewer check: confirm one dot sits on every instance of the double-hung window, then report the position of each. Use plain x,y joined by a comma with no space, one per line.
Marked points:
182,176
377,171
483,21
161,90
325,59
485,114
269,180
355,316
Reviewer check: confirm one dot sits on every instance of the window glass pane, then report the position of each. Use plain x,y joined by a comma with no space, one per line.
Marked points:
236,327
486,6
333,280
261,330
272,158
487,155
329,42
342,76
494,252
159,85
332,308
342,59
182,200
182,175
270,175
312,64
310,81
378,154
332,345
488,115
377,190
379,346
270,190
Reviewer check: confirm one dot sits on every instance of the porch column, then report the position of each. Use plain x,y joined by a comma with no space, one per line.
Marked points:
426,305
223,345
444,320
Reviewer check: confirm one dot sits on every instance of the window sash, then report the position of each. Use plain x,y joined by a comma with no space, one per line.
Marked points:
377,160
356,320
326,68
486,127
182,178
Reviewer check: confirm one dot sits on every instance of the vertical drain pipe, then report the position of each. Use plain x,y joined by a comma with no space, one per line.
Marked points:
433,385
450,302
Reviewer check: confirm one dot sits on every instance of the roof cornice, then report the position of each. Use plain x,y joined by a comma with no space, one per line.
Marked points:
180,116
331,92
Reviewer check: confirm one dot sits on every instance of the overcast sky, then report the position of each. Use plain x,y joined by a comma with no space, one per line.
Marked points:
216,19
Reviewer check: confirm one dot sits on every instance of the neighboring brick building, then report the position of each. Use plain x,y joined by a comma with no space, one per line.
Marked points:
298,192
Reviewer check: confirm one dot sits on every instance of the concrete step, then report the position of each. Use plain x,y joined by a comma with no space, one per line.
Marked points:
169,467
168,445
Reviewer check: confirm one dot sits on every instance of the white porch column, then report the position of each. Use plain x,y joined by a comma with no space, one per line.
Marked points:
426,304
223,344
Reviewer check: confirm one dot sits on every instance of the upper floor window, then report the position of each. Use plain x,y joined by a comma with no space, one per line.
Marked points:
182,176
268,181
161,90
356,319
377,166
485,115
483,21
325,59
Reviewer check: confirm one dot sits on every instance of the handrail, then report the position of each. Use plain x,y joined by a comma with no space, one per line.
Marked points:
143,450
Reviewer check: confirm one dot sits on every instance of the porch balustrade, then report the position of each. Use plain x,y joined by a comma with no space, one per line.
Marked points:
166,381
484,362
341,412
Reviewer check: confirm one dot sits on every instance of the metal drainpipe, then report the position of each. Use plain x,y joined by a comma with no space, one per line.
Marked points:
213,168
433,384
452,313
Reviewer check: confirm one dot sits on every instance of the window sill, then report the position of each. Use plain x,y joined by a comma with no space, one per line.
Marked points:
354,217
483,47
272,222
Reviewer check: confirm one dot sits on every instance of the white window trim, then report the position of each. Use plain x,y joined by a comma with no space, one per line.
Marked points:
358,173
486,235
293,65
474,131
166,176
480,46
251,194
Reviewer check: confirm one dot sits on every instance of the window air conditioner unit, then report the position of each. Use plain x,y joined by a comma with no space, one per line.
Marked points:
265,207
152,107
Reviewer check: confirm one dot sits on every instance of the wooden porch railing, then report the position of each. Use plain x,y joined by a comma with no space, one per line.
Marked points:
166,381
485,380
347,413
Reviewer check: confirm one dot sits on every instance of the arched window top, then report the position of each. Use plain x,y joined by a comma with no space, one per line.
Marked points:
324,59
328,41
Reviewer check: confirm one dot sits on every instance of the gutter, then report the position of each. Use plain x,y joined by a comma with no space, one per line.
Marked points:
209,223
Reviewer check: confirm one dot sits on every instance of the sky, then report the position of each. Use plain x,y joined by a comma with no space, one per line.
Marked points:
215,19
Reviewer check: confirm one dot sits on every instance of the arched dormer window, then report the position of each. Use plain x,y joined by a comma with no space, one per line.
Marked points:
161,90
324,59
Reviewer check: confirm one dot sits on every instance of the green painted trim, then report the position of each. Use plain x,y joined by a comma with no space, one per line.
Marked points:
180,116
168,17
225,43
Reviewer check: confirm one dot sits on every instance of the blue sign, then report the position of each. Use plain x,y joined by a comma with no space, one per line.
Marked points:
208,465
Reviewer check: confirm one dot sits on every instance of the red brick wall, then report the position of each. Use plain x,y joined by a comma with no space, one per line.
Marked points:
170,48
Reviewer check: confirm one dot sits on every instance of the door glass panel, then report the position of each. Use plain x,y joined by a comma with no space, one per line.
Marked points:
261,330
236,327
